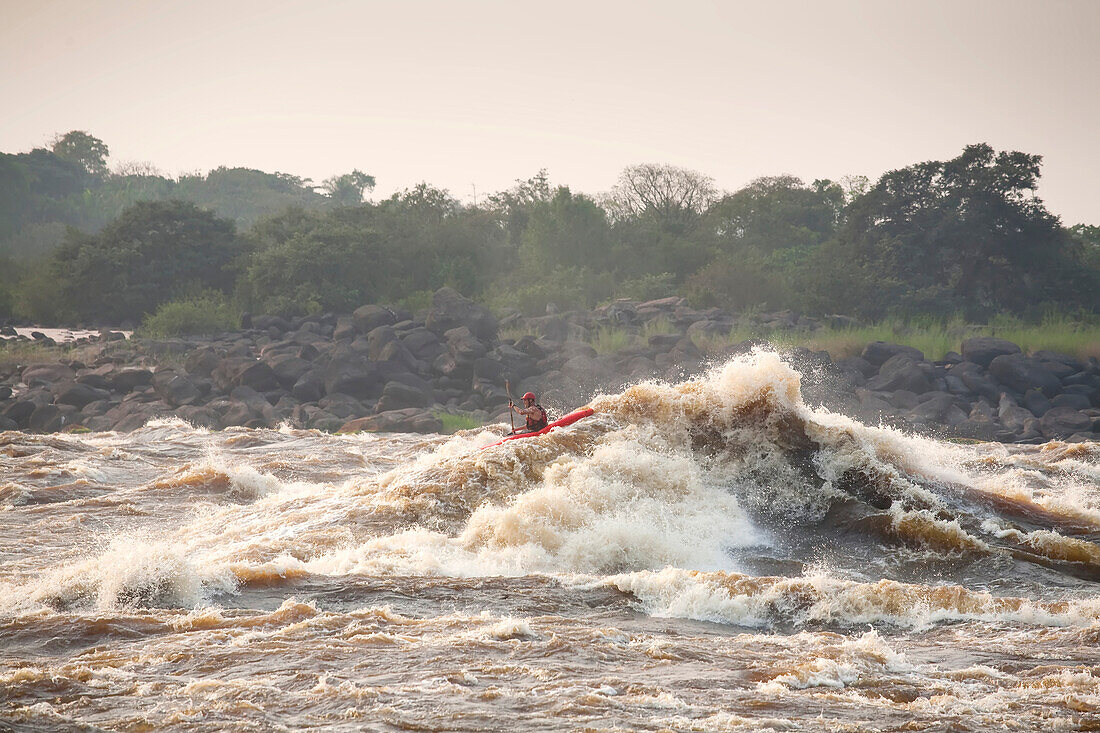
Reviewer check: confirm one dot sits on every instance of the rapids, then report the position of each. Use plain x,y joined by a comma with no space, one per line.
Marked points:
709,555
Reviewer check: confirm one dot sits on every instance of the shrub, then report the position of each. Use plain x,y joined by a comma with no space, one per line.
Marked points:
207,312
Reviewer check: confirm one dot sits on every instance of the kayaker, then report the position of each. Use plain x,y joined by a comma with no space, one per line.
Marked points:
533,412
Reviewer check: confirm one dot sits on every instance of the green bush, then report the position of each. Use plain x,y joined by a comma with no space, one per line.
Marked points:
205,313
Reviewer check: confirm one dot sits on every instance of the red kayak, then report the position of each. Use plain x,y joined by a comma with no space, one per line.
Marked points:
567,420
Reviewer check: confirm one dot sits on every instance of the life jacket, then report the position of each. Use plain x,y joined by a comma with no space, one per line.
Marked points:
540,423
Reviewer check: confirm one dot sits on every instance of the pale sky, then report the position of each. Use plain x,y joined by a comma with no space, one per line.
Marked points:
481,93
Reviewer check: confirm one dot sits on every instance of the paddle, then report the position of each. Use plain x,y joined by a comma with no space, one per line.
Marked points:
511,412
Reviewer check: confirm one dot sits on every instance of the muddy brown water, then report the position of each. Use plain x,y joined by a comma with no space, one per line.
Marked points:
713,555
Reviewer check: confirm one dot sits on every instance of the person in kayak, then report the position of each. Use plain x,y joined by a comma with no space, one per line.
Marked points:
534,413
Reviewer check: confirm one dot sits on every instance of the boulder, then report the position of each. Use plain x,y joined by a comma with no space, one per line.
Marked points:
900,372
77,395
410,420
202,361
939,409
1020,373
42,374
52,418
126,380
423,343
450,309
5,392
1071,400
288,368
342,405
369,317
1036,402
1013,417
200,416
20,411
984,349
174,388
976,380
356,377
1063,422
396,396
878,353
310,387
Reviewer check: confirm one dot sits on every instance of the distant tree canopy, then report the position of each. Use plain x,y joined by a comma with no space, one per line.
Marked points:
89,152
964,235
154,251
967,233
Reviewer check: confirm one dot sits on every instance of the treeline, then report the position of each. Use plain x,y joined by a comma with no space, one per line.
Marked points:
81,243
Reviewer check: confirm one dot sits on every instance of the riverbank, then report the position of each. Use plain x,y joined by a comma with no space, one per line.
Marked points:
386,369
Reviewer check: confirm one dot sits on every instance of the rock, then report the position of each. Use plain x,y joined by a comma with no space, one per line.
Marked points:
5,392
664,342
126,380
369,317
1036,402
20,411
1072,401
174,388
900,372
342,406
983,349
976,380
1012,416
878,353
904,399
423,344
858,364
288,368
200,417
356,377
43,374
8,424
78,395
396,396
310,387
411,420
451,310
464,345
1064,421
202,362
52,418
940,409
1020,373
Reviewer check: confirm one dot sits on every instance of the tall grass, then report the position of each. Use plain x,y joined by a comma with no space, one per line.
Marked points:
934,337
608,340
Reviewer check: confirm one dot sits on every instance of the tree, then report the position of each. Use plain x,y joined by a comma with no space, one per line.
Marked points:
965,233
673,198
347,189
87,150
151,253
775,213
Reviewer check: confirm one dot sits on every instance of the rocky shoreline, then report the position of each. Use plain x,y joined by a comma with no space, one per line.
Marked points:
385,369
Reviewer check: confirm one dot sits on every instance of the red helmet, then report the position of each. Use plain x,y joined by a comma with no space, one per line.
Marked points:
528,396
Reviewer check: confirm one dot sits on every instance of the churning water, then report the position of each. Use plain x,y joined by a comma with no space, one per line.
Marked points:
711,555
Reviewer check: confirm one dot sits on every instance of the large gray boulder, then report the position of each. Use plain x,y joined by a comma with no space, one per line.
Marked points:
1020,373
77,394
37,375
397,395
409,420
879,352
450,309
984,349
1063,422
1013,417
175,389
354,376
900,372
369,317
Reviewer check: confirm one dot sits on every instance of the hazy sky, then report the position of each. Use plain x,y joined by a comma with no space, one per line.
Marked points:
481,93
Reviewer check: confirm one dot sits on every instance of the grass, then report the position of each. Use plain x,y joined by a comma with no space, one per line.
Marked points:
31,352
608,340
659,326
453,423
934,337
515,332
